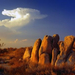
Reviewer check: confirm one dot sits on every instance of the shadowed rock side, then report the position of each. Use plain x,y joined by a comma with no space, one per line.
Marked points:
61,57
74,45
55,41
54,56
50,48
71,60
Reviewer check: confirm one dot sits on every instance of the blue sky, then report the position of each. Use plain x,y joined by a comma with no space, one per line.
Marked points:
24,21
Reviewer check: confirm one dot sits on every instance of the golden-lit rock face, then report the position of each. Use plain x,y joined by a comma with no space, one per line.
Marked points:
44,59
46,45
27,53
61,47
68,43
35,50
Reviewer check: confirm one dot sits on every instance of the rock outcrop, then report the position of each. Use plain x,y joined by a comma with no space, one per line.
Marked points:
55,41
54,56
51,50
68,43
46,46
35,50
27,53
44,59
73,46
65,50
45,50
71,60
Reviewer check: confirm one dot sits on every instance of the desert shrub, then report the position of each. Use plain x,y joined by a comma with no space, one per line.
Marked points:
3,51
19,53
29,68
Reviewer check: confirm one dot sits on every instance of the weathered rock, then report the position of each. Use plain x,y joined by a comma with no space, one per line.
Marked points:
65,49
27,53
35,51
44,59
73,46
68,43
60,61
71,60
61,57
55,40
46,45
54,56
61,47
56,37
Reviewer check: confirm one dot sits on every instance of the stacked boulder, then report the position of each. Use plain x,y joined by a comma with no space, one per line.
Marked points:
35,50
51,50
45,50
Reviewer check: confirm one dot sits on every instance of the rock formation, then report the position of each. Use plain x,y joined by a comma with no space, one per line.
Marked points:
46,45
45,50
54,56
27,53
73,48
44,59
71,60
60,53
55,41
74,45
68,43
35,50
60,58
65,50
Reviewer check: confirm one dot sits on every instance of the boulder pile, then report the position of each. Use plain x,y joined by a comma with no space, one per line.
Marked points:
51,50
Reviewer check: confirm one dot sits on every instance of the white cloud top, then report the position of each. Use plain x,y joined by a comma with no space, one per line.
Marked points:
20,17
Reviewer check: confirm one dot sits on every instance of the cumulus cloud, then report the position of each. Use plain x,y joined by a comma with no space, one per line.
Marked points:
17,40
20,17
23,40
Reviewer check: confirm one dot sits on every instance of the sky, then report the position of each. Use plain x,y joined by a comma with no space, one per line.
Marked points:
24,21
